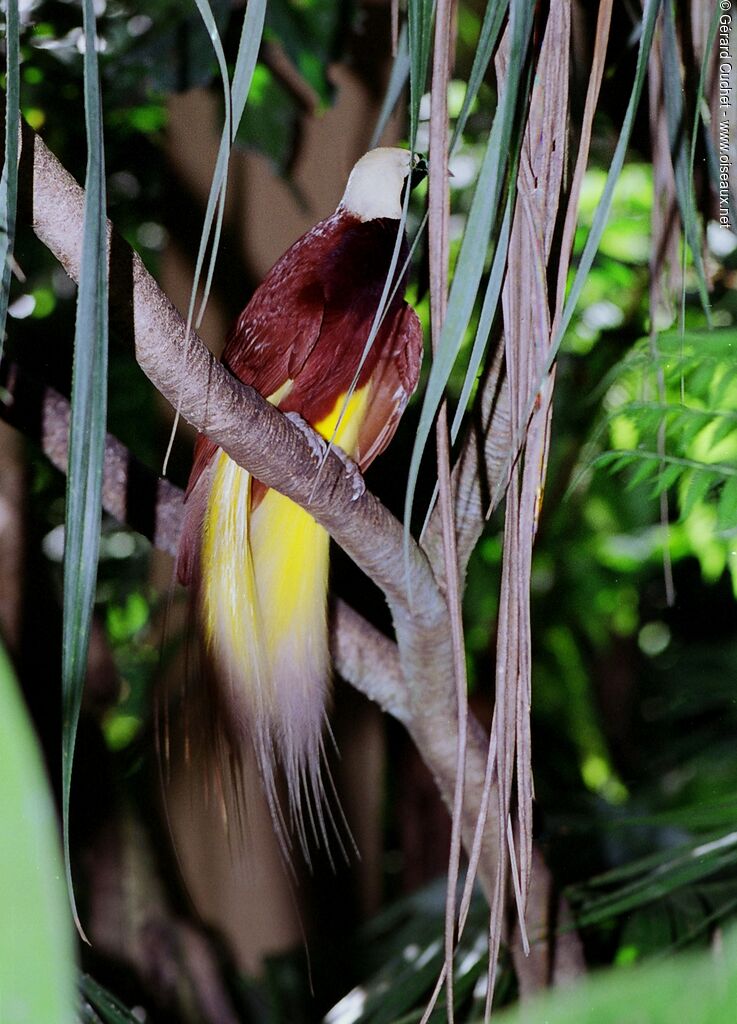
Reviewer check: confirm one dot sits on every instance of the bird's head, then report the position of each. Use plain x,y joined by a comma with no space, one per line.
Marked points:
376,183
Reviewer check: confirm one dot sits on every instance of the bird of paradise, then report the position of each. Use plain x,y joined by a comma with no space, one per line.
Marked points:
255,562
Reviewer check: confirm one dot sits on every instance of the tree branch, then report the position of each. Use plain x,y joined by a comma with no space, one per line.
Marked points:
136,497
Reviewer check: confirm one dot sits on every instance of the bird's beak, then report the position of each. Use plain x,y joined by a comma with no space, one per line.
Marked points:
418,172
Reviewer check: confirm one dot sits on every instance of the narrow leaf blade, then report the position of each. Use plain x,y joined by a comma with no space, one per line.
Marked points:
87,433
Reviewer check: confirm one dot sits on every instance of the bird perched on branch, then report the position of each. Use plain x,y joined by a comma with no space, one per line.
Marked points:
255,562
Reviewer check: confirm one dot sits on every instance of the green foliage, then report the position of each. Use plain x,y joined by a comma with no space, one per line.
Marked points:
671,417
129,608
692,886
701,989
166,48
309,33
488,37
271,118
99,1005
36,951
598,225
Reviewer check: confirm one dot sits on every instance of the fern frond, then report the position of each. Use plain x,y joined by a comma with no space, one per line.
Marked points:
686,438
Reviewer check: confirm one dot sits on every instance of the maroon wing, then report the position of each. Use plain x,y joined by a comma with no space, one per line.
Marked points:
276,332
392,383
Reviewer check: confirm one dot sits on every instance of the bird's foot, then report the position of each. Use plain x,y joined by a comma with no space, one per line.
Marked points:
358,484
318,445
319,449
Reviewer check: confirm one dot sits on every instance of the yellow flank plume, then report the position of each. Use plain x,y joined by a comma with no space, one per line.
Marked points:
229,589
291,559
350,422
264,605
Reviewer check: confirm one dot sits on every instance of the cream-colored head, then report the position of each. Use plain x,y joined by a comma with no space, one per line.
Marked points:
374,187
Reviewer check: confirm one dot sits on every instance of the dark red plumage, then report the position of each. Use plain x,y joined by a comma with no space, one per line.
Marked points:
309,320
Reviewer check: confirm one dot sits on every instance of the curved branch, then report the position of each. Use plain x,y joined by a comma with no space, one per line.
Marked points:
136,497
236,417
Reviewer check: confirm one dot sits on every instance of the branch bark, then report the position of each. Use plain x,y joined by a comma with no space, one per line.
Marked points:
412,680
136,497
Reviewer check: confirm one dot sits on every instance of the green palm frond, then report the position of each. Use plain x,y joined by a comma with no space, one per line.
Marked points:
696,418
